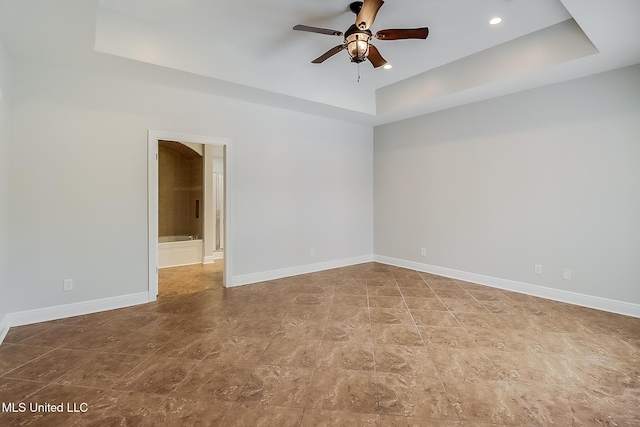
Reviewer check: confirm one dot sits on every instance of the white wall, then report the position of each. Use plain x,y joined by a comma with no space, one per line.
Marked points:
4,186
549,176
78,206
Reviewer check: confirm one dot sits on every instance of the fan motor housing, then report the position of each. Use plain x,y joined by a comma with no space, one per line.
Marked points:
355,7
353,29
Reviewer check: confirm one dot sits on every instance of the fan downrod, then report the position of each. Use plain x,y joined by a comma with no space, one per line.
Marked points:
355,7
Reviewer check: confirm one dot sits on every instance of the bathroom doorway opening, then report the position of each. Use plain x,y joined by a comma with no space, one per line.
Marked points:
196,230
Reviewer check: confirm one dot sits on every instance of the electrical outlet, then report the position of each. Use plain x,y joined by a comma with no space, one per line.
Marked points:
67,284
567,274
537,269
423,251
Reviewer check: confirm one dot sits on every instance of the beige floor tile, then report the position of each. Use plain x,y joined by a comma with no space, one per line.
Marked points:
387,302
288,352
189,345
15,355
349,356
495,402
14,391
425,304
463,364
296,328
239,350
213,380
141,343
157,375
188,412
20,333
365,345
408,360
421,396
277,386
349,314
49,366
340,390
447,337
245,415
325,418
347,331
434,318
100,370
348,300
391,316
117,408
396,335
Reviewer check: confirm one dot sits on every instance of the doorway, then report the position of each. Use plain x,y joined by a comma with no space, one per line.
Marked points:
219,236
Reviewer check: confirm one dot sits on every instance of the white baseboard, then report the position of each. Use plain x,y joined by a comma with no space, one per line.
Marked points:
4,328
75,309
87,307
179,265
599,303
247,279
213,258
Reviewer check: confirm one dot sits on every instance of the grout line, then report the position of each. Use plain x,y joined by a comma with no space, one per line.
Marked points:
373,351
29,361
450,397
445,306
313,371
409,310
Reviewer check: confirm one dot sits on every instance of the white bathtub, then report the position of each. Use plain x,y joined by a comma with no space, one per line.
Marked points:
174,251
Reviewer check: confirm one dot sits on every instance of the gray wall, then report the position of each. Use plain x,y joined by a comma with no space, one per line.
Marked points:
4,184
78,208
549,176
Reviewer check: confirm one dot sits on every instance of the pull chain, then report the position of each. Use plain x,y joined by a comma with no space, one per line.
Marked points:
358,72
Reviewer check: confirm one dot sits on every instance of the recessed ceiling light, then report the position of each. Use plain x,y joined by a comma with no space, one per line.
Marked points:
495,21
387,66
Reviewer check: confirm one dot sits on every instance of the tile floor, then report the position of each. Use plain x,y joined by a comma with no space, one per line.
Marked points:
368,345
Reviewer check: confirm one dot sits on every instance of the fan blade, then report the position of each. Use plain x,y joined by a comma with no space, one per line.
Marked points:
368,13
374,56
318,30
407,33
329,54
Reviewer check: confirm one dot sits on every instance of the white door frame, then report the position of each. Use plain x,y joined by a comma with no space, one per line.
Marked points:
153,136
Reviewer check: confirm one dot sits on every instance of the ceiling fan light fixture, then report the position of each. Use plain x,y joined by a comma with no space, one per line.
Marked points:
358,37
358,46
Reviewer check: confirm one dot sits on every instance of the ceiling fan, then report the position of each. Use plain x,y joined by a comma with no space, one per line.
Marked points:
357,38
